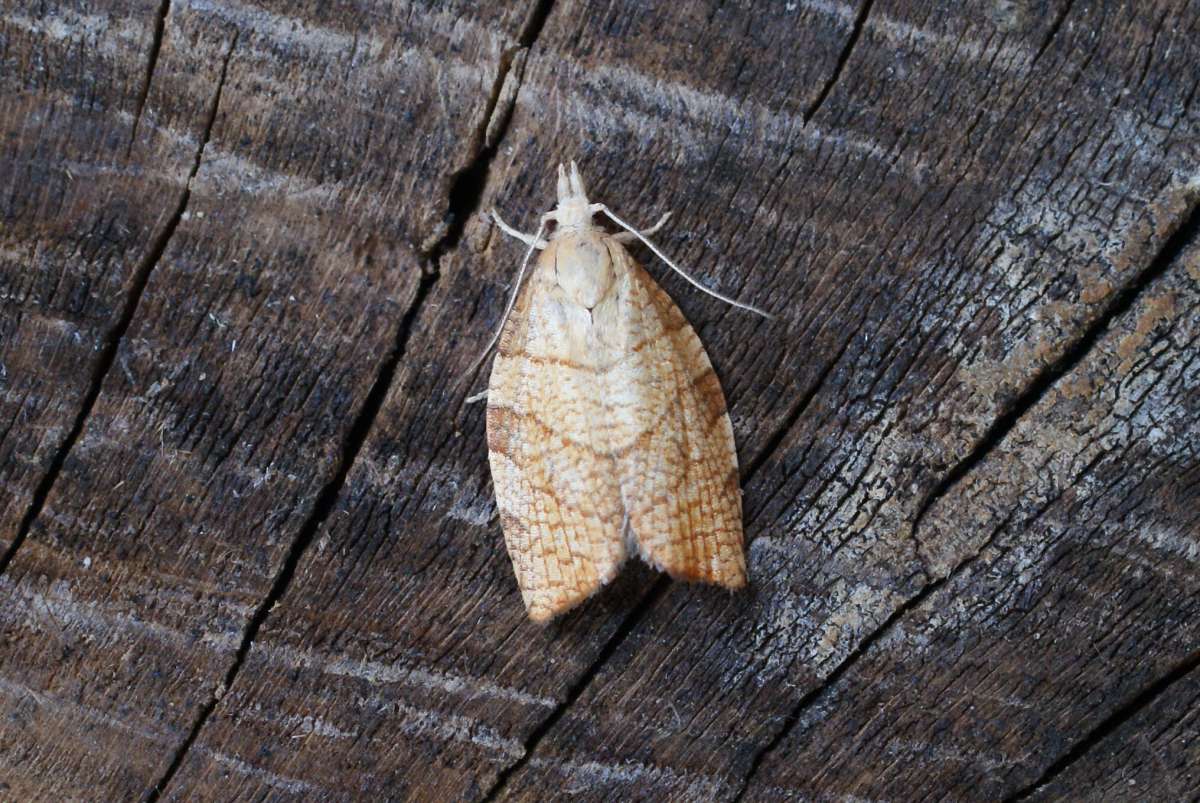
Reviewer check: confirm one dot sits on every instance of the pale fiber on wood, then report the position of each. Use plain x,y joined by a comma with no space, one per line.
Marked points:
607,424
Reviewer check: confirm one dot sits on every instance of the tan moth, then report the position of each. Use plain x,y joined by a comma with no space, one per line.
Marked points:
606,426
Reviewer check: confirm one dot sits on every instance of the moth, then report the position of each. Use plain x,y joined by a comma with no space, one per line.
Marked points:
607,429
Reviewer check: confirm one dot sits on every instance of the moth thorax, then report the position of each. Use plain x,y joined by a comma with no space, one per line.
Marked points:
583,267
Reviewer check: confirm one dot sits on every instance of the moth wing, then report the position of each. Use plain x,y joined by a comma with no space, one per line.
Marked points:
558,496
672,439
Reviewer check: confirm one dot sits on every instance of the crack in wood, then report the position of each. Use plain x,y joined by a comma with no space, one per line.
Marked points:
576,689
1052,31
160,25
843,666
855,32
467,184
1186,229
776,438
112,341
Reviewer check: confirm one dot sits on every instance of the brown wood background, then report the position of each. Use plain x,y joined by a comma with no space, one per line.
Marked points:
247,532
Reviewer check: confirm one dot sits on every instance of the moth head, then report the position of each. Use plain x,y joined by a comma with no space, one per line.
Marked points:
572,211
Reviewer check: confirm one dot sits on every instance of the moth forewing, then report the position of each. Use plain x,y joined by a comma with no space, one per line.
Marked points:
676,456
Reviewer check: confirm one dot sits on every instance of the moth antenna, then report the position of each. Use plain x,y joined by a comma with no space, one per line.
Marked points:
512,298
731,301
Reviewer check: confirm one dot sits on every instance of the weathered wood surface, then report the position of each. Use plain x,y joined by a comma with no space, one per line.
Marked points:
249,539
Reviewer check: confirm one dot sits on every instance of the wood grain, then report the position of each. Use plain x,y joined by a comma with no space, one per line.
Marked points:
967,443
411,533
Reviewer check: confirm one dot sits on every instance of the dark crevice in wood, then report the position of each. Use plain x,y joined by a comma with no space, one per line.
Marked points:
714,11
467,184
1053,31
536,21
112,340
325,504
843,57
1110,724
1184,234
160,26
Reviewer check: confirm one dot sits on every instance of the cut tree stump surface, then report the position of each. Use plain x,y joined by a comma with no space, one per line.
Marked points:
248,544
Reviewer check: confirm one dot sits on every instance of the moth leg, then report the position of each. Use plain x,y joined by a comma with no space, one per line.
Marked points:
478,397
629,237
662,221
528,239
